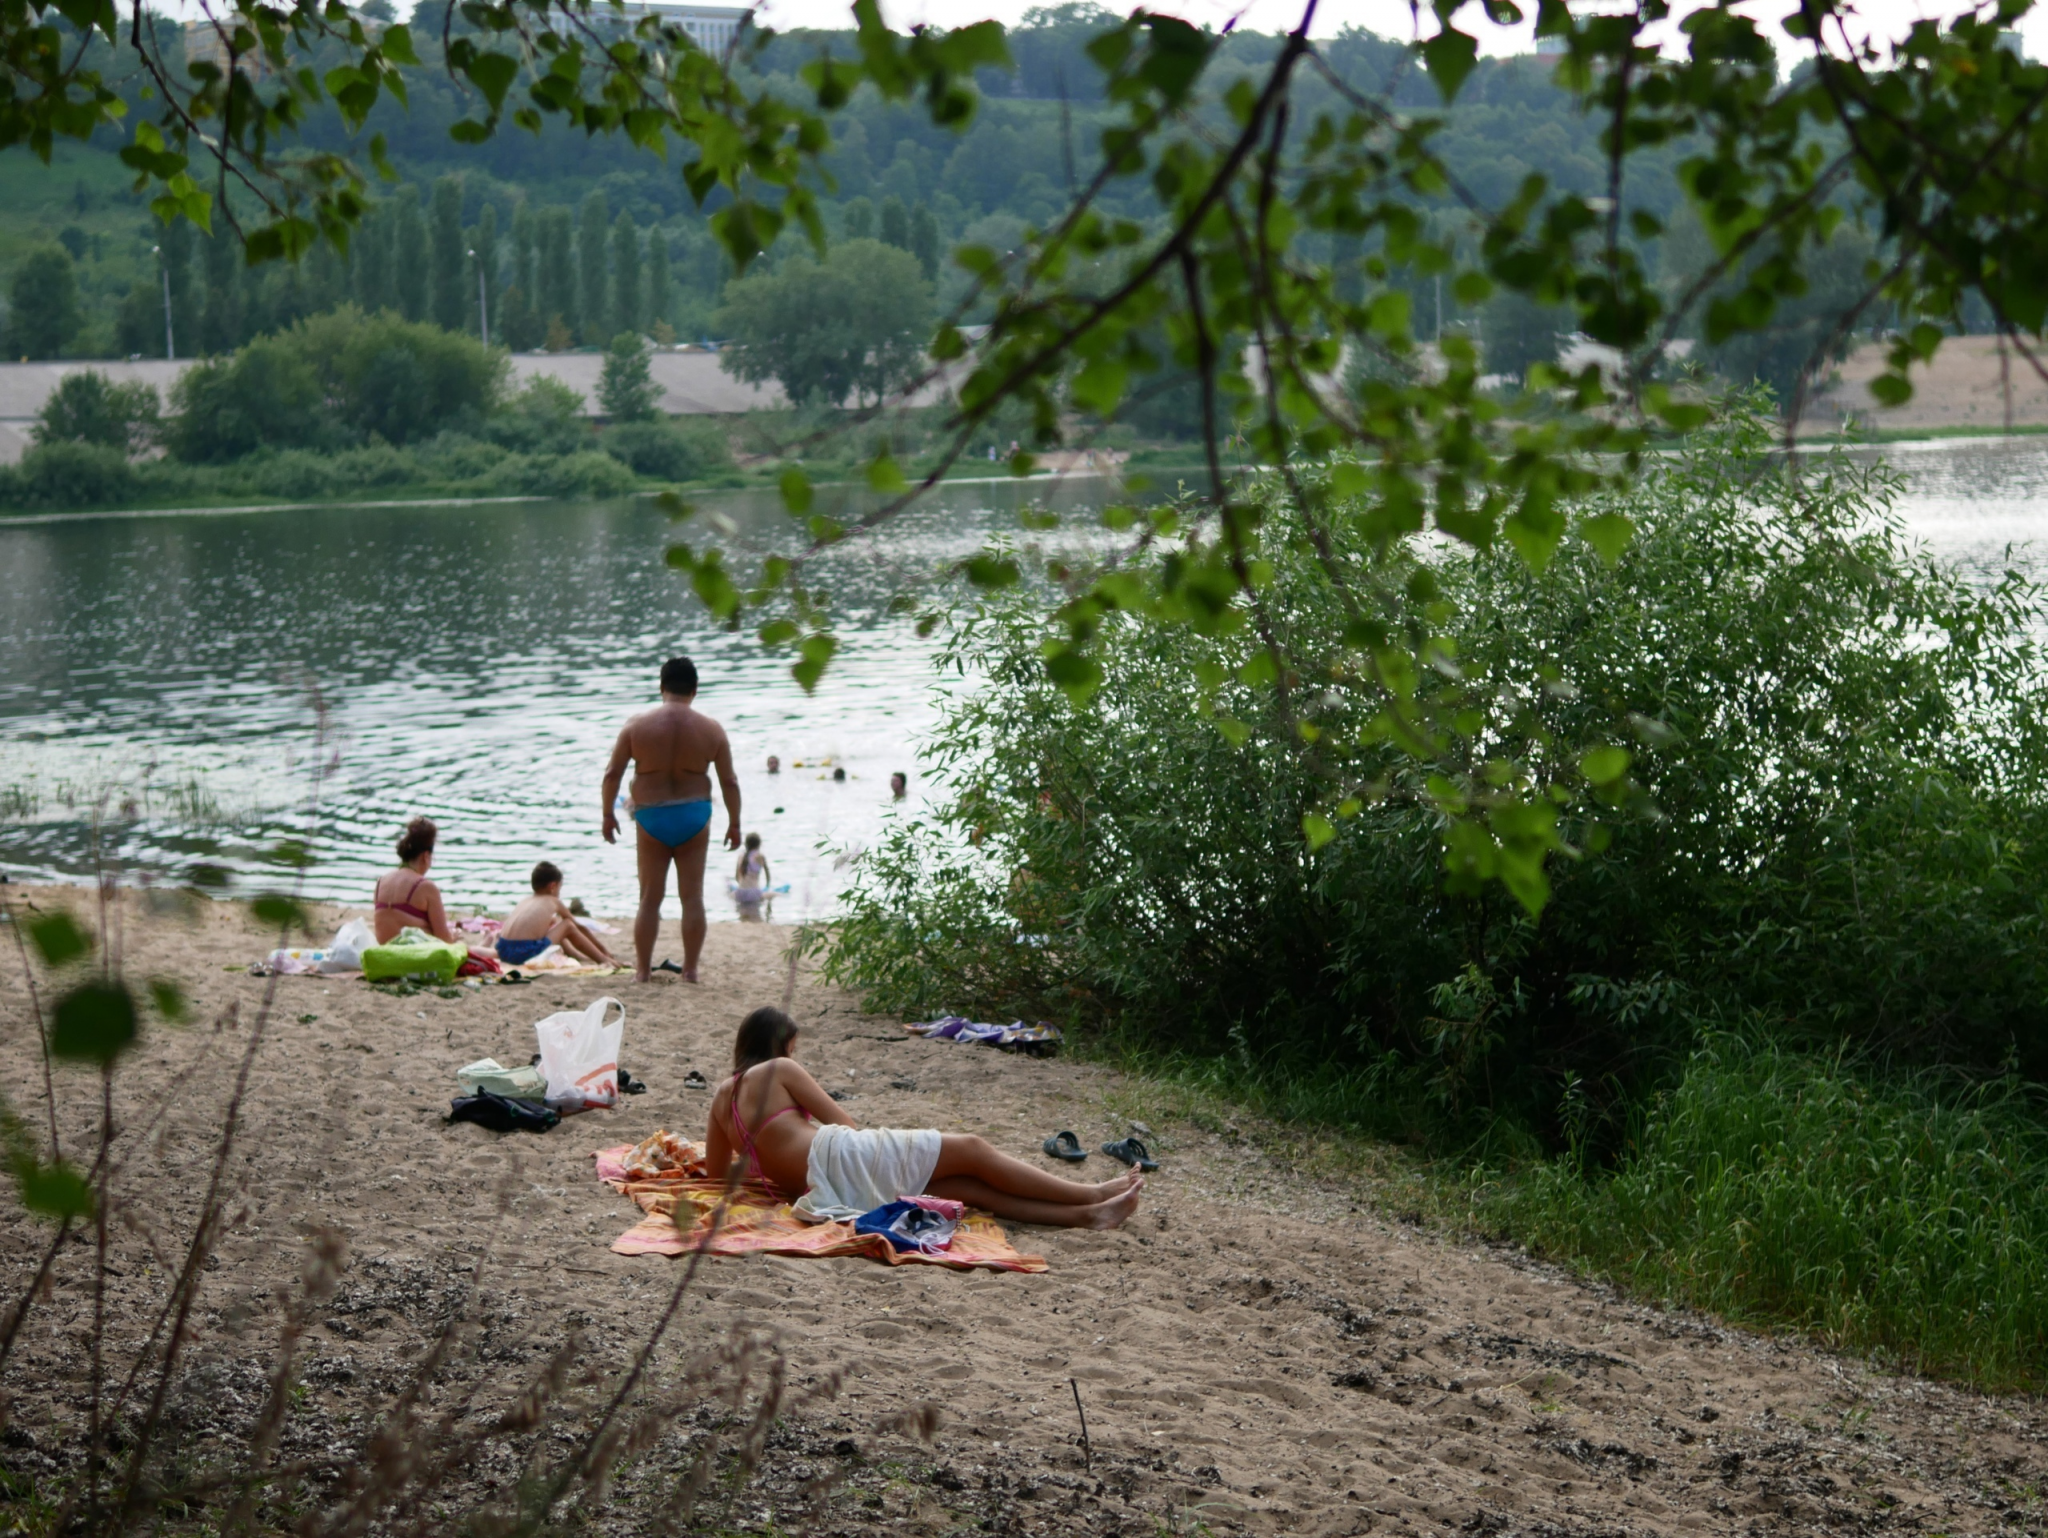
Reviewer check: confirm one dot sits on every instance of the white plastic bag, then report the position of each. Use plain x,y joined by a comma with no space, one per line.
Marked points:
579,1056
345,954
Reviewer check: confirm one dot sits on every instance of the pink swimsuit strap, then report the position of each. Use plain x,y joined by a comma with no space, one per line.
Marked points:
406,907
746,1138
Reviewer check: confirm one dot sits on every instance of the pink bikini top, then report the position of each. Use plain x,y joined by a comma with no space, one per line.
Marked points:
746,1138
406,907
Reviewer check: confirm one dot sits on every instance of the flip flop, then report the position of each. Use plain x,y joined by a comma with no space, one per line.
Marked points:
1064,1145
1130,1151
695,1080
666,966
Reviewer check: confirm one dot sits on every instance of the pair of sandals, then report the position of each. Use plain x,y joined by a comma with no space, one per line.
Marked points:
1065,1146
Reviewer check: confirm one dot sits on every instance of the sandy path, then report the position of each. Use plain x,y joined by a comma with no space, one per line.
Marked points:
1257,1352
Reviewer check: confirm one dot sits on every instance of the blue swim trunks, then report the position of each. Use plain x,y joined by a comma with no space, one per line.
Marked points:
674,823
519,952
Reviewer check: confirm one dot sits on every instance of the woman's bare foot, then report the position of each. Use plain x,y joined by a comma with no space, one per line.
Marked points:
1115,1212
1116,1185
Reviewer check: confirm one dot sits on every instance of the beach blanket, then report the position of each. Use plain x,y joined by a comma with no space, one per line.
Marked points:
556,962
665,1177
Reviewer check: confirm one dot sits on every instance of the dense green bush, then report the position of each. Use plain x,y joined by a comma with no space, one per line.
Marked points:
1835,817
265,396
455,458
294,475
67,477
583,474
1911,1216
88,407
666,451
397,380
331,381
543,418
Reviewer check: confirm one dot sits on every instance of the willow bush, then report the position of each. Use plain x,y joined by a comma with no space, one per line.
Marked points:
1828,819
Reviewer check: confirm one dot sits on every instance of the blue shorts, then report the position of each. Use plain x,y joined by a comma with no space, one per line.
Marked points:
674,823
519,952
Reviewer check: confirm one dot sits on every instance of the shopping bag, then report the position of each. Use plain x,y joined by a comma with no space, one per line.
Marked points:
579,1056
345,952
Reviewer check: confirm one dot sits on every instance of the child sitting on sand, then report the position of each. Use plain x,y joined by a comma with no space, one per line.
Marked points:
840,1171
543,920
750,877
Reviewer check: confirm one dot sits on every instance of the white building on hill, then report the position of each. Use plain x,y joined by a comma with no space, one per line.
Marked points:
711,27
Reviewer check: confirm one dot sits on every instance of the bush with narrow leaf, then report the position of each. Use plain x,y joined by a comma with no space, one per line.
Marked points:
1794,768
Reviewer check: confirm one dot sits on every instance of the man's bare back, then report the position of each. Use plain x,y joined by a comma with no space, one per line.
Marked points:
673,747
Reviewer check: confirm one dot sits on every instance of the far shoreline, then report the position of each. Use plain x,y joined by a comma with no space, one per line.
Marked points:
234,509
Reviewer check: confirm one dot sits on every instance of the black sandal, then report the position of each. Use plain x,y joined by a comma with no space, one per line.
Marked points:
1130,1151
666,966
1064,1145
695,1080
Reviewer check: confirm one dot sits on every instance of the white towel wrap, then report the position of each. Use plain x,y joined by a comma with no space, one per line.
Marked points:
857,1169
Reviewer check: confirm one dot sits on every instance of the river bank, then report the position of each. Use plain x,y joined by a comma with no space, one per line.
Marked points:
1269,1347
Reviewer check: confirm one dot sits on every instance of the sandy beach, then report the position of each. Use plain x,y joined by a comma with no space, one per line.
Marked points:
1259,1351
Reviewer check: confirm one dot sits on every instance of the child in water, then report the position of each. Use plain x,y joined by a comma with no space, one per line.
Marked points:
751,876
543,920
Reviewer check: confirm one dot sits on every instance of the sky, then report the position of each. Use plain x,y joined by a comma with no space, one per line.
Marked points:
1390,18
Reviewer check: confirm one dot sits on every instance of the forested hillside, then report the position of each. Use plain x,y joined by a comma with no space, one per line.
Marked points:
583,237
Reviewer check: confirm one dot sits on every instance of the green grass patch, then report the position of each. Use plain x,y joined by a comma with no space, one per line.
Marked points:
1902,1216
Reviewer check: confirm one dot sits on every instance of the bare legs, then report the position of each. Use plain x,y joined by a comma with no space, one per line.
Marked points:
655,857
580,942
971,1171
690,885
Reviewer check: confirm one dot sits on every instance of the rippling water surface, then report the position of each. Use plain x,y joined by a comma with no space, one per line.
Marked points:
477,661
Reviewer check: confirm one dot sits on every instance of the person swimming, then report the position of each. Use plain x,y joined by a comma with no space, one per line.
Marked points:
777,1121
543,920
672,748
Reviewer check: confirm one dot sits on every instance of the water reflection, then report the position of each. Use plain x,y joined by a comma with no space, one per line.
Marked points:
1981,503
476,663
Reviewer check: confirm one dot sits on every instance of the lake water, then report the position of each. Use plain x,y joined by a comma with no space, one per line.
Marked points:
475,663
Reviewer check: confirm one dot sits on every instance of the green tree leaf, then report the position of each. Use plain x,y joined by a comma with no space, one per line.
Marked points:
93,1023
57,937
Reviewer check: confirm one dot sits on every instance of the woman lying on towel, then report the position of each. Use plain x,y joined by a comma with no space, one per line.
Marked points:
778,1120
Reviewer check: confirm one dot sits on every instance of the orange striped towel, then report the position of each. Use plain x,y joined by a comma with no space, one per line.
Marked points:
665,1176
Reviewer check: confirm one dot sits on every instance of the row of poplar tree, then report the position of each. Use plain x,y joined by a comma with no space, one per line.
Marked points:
556,278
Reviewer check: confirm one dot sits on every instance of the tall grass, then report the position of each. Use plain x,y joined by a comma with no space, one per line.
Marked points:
1904,1215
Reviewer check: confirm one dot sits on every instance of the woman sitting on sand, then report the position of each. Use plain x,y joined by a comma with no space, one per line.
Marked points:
406,898
764,1115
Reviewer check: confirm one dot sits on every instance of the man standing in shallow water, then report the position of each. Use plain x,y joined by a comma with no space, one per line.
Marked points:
672,749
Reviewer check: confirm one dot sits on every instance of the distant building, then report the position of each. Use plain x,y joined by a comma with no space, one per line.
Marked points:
206,42
711,27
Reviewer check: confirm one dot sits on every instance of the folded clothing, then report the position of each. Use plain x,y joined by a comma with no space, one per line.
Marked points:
857,1169
925,1223
516,953
502,1113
